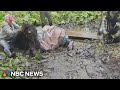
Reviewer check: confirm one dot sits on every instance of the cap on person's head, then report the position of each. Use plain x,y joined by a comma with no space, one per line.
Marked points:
9,17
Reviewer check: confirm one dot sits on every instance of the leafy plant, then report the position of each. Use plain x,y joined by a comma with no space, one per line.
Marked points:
58,17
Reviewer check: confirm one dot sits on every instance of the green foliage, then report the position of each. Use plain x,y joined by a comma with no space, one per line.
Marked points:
29,16
74,16
2,55
58,17
38,56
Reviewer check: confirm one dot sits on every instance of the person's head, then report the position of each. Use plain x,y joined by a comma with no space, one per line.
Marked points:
9,18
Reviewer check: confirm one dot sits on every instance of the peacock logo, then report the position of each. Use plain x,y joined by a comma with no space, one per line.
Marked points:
6,73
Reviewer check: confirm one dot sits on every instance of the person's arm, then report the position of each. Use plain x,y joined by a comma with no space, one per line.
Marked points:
16,25
7,32
18,30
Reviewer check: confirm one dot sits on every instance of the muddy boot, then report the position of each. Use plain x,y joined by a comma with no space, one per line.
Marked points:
8,52
13,55
65,42
70,46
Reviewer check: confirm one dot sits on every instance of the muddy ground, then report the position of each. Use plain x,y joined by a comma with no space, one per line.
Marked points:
86,61
89,59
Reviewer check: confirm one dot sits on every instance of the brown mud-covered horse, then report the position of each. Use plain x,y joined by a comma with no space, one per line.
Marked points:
52,38
27,40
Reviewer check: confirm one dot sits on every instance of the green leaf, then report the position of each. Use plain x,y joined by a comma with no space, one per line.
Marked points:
38,56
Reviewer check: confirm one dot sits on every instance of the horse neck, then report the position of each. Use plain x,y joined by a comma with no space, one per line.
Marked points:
35,44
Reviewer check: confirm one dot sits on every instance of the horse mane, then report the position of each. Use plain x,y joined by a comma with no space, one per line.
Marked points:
25,26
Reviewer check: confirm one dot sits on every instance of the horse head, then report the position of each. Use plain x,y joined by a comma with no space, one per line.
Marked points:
30,32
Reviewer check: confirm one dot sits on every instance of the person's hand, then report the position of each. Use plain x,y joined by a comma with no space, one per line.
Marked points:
113,36
19,30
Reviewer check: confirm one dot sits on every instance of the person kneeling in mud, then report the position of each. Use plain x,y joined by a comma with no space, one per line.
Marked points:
52,37
116,37
8,34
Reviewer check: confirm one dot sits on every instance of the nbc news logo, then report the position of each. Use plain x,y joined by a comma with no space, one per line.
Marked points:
6,73
22,73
